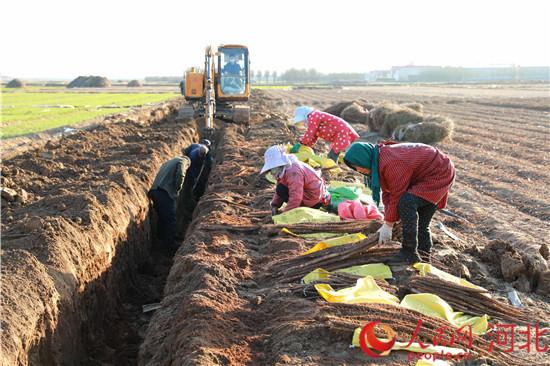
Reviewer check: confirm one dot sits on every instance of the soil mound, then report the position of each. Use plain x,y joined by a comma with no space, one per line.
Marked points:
15,83
338,108
414,106
432,129
134,84
388,116
90,82
354,113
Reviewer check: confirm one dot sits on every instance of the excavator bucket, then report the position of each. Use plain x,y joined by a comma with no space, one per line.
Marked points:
241,114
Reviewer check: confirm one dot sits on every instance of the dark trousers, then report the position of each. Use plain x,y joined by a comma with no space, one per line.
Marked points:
333,155
416,214
165,207
282,192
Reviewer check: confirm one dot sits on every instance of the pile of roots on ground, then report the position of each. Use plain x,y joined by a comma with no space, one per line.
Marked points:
134,84
353,112
15,83
407,122
90,82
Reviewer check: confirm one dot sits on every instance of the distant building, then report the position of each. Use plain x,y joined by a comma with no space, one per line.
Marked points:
379,75
411,72
415,73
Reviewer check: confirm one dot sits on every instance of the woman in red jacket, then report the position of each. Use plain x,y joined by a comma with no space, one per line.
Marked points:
326,126
415,180
297,183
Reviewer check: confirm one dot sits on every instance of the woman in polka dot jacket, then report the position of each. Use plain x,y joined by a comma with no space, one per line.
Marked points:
326,126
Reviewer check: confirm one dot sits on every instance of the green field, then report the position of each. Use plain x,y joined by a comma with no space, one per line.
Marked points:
31,112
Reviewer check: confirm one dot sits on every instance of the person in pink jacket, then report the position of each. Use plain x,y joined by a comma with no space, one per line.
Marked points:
326,126
297,183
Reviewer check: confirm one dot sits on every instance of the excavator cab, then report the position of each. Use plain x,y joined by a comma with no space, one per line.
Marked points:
220,90
233,72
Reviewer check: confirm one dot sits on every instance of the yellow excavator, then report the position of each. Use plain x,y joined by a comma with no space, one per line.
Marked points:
221,90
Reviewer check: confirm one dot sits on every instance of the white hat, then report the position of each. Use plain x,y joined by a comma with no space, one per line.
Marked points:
301,113
274,157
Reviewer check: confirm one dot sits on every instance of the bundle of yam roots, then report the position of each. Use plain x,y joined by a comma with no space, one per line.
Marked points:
402,122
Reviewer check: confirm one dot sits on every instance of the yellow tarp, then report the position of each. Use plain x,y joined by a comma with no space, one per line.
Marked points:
376,270
365,291
341,240
425,268
414,347
321,236
433,305
308,156
305,214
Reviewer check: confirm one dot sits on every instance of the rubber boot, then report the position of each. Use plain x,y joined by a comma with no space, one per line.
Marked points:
405,256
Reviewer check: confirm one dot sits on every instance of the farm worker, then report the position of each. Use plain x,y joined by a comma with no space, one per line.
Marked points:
201,163
164,194
182,87
321,124
297,183
232,67
415,180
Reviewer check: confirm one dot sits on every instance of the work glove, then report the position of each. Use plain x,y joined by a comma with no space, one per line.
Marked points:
385,233
274,210
294,149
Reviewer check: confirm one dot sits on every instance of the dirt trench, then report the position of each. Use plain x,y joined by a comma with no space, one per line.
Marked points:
79,257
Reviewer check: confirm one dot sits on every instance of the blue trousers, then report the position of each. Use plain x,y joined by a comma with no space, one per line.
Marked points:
165,207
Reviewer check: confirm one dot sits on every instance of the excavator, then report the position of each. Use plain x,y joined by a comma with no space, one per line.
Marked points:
220,90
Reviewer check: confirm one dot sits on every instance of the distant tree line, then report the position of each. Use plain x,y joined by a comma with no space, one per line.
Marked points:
300,76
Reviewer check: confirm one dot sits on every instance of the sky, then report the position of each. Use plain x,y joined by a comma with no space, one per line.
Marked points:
61,39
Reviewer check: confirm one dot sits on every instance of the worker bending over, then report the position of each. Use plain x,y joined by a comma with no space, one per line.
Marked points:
164,194
297,183
201,164
415,180
326,126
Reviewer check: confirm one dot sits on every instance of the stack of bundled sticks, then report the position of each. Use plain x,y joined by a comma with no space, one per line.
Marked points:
466,299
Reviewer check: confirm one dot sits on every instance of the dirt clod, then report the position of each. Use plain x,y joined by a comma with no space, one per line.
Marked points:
34,223
543,286
462,271
522,284
511,266
9,194
544,250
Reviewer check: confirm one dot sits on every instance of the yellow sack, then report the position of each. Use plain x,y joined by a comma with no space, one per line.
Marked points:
315,275
305,214
310,236
433,305
425,268
365,291
414,347
312,163
303,148
376,270
341,240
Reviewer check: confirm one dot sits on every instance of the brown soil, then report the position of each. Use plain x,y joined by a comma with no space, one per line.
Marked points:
77,262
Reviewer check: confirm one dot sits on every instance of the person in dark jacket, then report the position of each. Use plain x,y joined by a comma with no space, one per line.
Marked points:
164,193
201,164
415,180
